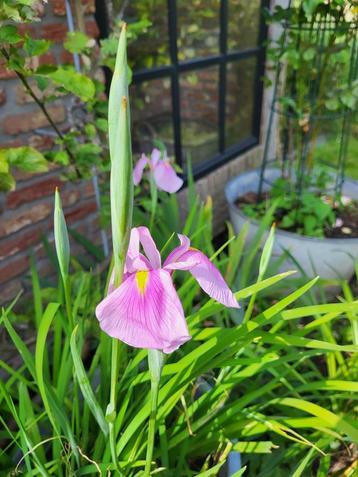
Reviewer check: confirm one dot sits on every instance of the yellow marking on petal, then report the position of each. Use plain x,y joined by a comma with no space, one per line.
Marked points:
142,279
193,249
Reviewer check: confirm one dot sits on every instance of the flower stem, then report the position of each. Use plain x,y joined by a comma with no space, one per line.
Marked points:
155,363
67,292
154,201
111,408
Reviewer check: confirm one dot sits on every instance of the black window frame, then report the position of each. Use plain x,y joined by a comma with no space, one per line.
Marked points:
175,68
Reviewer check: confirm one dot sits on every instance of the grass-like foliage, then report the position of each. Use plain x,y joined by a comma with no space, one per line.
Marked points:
275,380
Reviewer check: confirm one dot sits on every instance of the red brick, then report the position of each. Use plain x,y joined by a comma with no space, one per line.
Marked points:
59,7
45,268
4,72
15,143
13,245
32,215
2,96
19,123
13,269
55,32
89,6
66,58
28,194
21,176
80,212
39,8
92,29
88,190
10,290
43,143
24,29
35,61
70,197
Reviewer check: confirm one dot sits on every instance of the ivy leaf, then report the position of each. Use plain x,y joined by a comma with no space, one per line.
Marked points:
9,13
309,224
4,165
102,124
90,130
42,82
7,182
61,157
8,34
322,210
76,42
73,82
36,47
27,159
287,222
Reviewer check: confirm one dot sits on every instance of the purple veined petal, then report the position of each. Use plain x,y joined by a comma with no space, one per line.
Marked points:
166,178
145,312
139,168
155,157
149,247
177,252
209,278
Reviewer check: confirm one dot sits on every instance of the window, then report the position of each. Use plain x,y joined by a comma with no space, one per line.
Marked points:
196,77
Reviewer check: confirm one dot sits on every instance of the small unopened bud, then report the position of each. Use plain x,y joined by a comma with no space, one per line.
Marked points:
61,237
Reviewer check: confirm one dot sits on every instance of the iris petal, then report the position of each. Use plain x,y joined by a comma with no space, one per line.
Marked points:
139,168
145,313
166,178
206,274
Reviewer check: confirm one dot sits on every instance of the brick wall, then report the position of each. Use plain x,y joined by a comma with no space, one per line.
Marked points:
26,213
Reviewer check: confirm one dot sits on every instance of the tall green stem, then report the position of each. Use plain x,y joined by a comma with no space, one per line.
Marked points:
67,292
111,409
155,364
154,201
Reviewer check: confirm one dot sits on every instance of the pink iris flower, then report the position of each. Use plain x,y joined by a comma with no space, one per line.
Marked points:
164,174
145,310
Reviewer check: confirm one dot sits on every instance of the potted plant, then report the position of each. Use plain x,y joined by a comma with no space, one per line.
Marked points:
314,205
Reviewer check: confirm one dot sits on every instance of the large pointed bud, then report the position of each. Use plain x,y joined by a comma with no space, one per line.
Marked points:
121,159
61,238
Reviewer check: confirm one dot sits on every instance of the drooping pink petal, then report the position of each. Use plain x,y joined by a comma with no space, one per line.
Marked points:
155,157
166,178
145,312
176,253
206,274
139,168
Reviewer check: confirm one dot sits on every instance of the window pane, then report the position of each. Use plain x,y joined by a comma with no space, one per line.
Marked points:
148,39
198,28
199,114
151,114
243,23
240,84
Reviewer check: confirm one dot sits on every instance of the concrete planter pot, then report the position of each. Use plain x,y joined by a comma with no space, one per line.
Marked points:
330,258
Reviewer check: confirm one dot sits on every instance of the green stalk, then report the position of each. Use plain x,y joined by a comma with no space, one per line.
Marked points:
111,409
264,262
154,201
121,202
67,292
155,364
